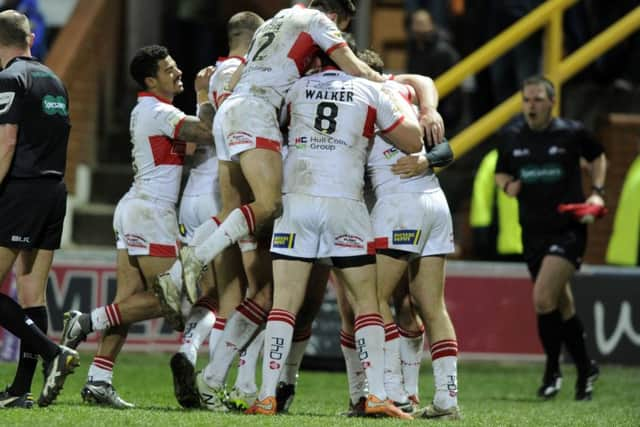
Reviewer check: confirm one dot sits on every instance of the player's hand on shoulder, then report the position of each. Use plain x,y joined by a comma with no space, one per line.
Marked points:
410,166
433,125
202,78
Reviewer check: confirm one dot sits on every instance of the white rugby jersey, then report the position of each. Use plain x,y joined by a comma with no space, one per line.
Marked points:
332,118
383,155
203,177
157,155
282,49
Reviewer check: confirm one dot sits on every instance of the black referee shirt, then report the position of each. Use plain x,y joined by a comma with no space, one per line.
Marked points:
34,98
548,165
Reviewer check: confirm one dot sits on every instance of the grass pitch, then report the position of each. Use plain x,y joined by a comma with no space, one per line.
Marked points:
491,394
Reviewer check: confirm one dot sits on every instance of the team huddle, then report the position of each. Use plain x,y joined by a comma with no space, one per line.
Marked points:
289,127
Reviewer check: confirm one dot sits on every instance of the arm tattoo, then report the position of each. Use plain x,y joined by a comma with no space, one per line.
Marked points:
195,130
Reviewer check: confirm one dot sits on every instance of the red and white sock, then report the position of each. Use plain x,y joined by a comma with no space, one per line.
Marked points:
238,224
277,343
301,338
240,328
369,335
102,318
355,372
444,357
216,334
411,347
392,368
197,327
247,361
101,369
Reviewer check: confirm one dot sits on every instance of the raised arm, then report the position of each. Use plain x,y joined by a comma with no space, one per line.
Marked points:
198,128
427,100
406,134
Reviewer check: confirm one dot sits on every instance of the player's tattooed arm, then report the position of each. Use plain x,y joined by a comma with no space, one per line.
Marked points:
194,129
198,128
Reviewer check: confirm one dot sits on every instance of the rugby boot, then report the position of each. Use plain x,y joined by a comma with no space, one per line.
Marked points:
76,327
383,408
184,381
584,383
104,394
240,400
551,384
284,396
434,412
192,270
214,399
356,409
167,292
8,400
266,406
55,373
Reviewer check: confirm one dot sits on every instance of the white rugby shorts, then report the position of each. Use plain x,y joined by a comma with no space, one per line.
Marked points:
419,223
146,226
244,123
322,227
194,210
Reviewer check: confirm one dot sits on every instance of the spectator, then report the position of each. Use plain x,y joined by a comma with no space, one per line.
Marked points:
494,216
38,25
439,10
430,53
624,246
523,60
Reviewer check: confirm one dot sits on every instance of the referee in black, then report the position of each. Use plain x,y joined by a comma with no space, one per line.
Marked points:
34,130
539,163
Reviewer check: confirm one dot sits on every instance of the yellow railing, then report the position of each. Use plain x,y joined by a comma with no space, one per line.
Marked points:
549,14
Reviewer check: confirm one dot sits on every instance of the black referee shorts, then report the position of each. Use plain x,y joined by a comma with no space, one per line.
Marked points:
569,243
32,212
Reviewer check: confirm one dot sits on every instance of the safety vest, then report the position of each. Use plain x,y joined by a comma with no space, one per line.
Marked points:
623,245
485,194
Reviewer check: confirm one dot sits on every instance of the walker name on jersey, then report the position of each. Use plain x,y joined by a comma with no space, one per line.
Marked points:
406,237
349,241
284,240
314,142
545,173
330,95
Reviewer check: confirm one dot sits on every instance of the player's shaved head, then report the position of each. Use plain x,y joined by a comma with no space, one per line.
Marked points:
14,29
243,24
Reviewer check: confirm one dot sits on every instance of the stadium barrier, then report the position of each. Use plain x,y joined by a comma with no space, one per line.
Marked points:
489,303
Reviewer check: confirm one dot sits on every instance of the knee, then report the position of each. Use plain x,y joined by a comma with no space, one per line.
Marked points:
272,206
543,301
433,311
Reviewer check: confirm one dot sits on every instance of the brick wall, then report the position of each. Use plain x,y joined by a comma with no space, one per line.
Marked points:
84,55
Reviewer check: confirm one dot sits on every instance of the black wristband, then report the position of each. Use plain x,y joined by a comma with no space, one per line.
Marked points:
598,190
